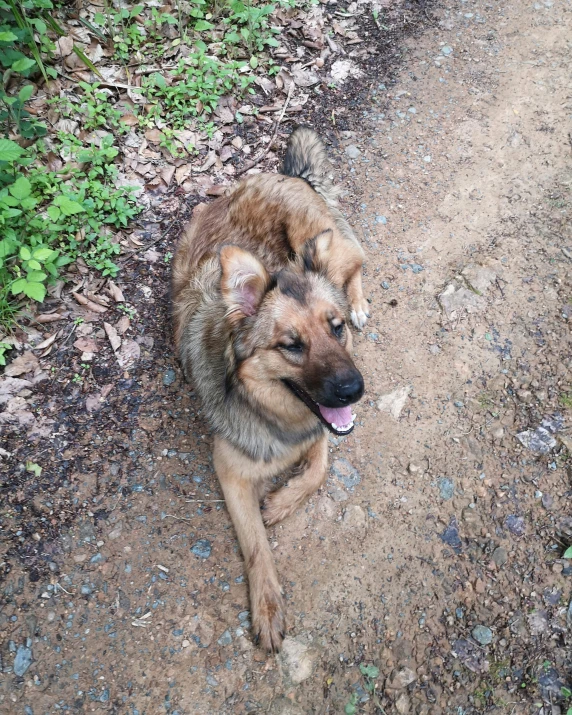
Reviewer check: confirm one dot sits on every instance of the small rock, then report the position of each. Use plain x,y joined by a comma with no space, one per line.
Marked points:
482,635
401,678
394,402
337,494
352,151
169,377
225,639
403,704
538,622
515,524
297,659
446,488
23,660
202,548
381,219
547,501
446,50
385,285
345,473
354,517
500,556
451,536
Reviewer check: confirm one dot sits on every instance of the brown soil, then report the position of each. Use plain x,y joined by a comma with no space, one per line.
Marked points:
435,551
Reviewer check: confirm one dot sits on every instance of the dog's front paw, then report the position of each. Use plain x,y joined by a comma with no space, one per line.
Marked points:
360,313
278,506
268,621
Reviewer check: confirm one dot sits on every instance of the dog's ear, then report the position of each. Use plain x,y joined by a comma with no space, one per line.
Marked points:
243,282
316,252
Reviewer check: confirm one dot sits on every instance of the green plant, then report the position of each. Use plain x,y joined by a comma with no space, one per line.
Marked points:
196,84
250,24
97,111
128,310
4,347
566,399
47,221
352,705
128,36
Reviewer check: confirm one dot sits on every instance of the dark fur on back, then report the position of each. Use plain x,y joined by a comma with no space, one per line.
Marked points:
306,158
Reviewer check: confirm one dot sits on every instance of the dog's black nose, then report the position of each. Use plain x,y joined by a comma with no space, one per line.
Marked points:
350,389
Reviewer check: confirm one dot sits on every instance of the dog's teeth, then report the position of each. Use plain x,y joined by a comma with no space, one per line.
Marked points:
334,426
353,418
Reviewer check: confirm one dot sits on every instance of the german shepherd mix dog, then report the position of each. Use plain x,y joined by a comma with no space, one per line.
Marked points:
263,279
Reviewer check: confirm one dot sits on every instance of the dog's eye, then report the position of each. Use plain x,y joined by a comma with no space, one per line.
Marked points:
338,330
295,348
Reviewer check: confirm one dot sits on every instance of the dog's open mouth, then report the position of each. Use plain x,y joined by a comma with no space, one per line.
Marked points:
339,420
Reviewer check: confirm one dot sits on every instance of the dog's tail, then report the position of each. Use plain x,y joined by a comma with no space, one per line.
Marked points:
306,159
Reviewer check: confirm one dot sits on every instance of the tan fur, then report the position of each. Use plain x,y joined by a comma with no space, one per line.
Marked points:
257,273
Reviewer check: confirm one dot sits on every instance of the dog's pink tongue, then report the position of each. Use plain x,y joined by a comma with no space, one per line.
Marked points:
339,416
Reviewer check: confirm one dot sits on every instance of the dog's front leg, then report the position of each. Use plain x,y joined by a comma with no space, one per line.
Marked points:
240,480
283,502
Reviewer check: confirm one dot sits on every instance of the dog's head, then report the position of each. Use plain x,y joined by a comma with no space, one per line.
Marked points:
290,331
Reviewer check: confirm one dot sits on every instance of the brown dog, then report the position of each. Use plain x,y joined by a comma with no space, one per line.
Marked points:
262,278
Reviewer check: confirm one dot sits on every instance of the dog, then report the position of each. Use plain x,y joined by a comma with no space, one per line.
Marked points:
263,281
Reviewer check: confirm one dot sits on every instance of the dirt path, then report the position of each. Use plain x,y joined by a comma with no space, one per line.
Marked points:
434,553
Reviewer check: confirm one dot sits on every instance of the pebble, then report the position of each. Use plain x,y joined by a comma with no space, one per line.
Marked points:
385,285
169,377
298,660
401,678
354,517
345,473
451,535
446,50
225,639
500,556
427,159
202,548
547,501
352,151
482,635
446,488
381,219
23,660
515,524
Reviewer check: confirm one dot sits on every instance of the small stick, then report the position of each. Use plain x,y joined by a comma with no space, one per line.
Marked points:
179,518
201,501
163,235
259,158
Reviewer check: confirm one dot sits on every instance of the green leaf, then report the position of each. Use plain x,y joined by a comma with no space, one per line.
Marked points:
21,188
370,671
25,93
254,62
33,468
22,65
568,553
18,286
44,254
8,37
87,62
9,150
36,291
25,253
8,247
67,206
202,25
34,265
54,212
36,276
136,10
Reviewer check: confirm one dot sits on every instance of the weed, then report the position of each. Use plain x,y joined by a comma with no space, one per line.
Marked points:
77,379
129,311
97,111
369,673
46,222
195,85
4,347
566,400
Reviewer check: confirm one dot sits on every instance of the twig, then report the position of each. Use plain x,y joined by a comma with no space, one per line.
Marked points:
179,518
205,500
259,158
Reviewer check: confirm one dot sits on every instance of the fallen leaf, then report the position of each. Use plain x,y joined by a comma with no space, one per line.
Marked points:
130,120
128,354
182,172
114,338
48,342
305,78
99,299
22,364
154,136
64,46
95,307
33,468
10,386
122,325
86,345
93,403
48,317
167,174
115,292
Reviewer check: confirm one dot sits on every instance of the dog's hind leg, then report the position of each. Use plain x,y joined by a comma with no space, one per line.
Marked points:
240,480
283,502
